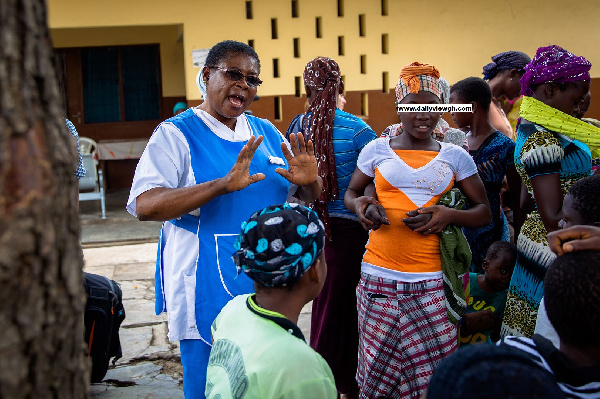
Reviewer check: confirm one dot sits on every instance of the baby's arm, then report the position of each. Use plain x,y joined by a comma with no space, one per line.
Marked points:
480,321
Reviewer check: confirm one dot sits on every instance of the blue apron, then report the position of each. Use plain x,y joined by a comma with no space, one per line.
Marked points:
219,223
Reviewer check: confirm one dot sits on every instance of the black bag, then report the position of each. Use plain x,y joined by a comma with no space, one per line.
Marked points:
103,316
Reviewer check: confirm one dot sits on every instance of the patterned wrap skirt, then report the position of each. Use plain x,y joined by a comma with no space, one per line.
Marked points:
527,282
404,333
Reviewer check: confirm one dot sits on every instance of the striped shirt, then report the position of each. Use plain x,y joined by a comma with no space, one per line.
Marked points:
575,382
350,135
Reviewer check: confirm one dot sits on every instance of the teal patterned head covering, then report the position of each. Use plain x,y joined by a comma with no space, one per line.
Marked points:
279,243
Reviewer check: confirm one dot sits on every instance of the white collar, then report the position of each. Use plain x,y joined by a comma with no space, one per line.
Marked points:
242,127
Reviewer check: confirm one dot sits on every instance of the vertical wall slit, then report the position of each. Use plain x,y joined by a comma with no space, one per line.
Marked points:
277,108
248,10
341,50
318,28
273,28
361,25
297,83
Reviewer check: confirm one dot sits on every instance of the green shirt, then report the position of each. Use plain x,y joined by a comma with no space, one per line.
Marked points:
481,300
258,353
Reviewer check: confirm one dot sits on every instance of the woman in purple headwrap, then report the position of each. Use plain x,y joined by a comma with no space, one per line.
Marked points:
339,137
503,75
549,159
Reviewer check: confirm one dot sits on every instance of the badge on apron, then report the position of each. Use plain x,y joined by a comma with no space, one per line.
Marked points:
276,160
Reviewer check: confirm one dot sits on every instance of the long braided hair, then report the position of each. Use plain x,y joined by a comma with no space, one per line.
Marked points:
322,76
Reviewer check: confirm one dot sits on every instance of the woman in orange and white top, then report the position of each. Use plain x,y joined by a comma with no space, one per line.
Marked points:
404,330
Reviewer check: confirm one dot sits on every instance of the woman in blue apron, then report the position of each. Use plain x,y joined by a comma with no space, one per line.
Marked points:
203,173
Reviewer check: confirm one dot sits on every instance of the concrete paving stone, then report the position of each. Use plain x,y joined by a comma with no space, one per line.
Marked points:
105,270
135,271
141,311
304,320
98,390
149,378
169,390
120,254
114,229
133,372
159,343
137,289
175,349
167,378
134,342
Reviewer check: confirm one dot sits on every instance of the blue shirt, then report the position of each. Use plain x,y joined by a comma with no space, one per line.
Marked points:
350,135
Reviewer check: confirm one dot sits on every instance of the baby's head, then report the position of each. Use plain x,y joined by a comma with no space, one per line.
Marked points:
498,264
279,244
581,204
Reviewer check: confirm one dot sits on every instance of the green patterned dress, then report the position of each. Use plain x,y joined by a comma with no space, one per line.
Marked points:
538,152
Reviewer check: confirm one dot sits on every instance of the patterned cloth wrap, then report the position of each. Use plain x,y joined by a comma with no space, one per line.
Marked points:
456,258
552,119
503,61
279,243
322,75
554,64
80,170
416,77
445,88
456,137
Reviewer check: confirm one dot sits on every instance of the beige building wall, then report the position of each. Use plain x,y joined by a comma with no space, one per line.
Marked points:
457,36
377,38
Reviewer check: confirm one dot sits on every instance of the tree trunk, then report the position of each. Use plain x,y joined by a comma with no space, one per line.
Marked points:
42,353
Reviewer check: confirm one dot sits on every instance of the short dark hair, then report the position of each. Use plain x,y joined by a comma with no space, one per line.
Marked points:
474,89
585,198
224,49
482,372
499,247
572,297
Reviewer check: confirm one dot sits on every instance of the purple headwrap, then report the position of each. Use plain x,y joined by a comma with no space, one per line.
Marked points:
554,64
505,60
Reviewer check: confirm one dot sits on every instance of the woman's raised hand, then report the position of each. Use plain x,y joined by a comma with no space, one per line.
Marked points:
302,165
239,176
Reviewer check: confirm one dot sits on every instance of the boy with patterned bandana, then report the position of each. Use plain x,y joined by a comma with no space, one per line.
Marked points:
258,350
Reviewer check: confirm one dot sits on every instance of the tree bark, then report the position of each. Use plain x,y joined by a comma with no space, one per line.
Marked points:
42,353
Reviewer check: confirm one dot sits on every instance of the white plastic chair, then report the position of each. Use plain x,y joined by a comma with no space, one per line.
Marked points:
87,145
93,177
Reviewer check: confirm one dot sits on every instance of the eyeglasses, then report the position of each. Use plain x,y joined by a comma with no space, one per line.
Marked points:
236,76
